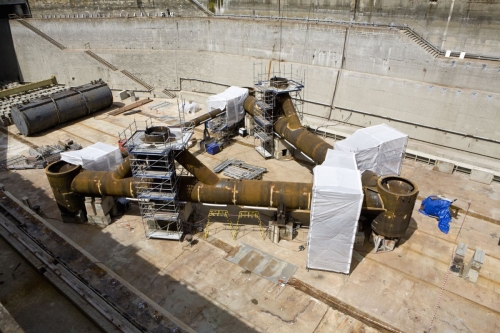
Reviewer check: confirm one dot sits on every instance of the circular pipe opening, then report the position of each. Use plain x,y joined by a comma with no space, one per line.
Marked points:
279,82
61,167
157,134
397,185
251,91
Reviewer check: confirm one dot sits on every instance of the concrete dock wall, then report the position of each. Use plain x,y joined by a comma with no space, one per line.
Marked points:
385,76
458,25
113,7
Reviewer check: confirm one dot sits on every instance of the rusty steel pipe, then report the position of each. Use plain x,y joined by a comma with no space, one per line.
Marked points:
289,127
289,109
247,192
203,118
116,183
398,195
311,145
123,170
197,168
103,183
60,175
249,105
209,188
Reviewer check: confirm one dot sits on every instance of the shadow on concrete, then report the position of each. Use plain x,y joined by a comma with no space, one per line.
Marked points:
35,303
411,230
363,251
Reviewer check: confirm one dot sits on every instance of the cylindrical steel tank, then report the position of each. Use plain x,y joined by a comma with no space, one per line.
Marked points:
60,175
399,195
47,112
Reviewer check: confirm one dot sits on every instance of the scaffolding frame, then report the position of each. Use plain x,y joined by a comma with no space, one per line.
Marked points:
238,169
156,177
265,110
247,214
234,228
220,130
215,213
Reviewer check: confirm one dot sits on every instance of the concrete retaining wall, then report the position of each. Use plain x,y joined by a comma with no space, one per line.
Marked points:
473,24
385,75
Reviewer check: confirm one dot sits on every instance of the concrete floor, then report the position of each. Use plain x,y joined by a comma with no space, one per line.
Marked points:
401,288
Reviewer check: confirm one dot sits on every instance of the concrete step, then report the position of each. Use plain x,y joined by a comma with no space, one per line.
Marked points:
428,47
101,60
136,79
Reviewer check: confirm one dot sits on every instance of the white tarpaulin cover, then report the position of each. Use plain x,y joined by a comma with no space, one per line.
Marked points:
342,159
335,208
232,99
97,157
379,148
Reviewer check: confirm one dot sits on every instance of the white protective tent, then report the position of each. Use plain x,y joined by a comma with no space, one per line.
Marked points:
379,148
335,208
97,157
189,107
232,100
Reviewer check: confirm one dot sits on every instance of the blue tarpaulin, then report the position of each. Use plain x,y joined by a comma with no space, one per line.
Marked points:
439,208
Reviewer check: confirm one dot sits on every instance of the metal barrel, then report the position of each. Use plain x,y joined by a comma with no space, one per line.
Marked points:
47,112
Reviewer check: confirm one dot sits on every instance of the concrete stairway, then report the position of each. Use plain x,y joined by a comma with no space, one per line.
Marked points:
41,34
423,43
203,8
94,56
101,60
136,79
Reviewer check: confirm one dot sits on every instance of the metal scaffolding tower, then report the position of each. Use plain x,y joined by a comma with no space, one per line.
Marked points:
268,84
152,152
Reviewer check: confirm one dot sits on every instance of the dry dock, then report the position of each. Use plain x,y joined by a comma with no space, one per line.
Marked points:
407,290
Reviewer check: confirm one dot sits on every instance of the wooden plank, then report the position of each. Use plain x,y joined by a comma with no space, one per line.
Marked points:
130,106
